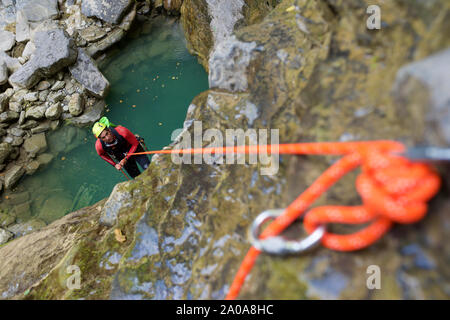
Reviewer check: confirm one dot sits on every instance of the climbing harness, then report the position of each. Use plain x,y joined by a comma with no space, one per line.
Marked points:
141,142
392,188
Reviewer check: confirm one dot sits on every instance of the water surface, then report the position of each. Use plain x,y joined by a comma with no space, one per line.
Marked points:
153,80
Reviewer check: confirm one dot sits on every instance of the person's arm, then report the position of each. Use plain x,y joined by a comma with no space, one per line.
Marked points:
129,136
102,153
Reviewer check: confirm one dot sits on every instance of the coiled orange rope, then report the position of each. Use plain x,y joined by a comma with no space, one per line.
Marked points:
392,188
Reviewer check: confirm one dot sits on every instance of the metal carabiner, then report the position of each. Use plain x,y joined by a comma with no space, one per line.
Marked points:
427,153
278,245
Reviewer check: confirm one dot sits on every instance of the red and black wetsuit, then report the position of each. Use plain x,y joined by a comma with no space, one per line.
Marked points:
125,143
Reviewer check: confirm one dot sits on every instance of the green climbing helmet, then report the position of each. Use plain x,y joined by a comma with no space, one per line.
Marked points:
106,122
101,125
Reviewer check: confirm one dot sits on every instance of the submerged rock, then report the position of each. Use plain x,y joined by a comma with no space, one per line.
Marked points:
25,228
13,175
6,219
55,207
35,144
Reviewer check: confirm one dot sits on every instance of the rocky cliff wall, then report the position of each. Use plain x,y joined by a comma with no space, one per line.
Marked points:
312,70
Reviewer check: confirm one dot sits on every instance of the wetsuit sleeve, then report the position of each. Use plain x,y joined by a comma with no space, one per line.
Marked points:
129,136
102,153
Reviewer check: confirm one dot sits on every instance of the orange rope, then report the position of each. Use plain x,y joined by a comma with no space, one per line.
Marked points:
392,188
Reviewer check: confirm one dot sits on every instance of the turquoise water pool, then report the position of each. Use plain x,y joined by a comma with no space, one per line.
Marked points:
153,80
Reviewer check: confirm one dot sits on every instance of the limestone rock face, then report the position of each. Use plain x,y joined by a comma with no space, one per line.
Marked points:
21,229
22,27
114,36
76,104
90,114
5,150
5,236
424,83
56,238
36,113
36,144
13,175
3,72
314,73
54,51
38,10
85,71
116,201
196,24
230,76
54,111
92,33
110,11
55,207
4,102
7,40
9,116
11,63
207,22
173,5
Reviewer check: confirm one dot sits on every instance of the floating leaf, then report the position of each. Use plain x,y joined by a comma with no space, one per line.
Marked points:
119,236
291,8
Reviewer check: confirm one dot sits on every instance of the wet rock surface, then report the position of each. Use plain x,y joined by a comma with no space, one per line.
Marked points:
86,72
24,268
110,11
38,10
312,70
54,51
5,236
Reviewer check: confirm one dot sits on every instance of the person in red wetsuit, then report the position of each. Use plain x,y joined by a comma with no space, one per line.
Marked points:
114,146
